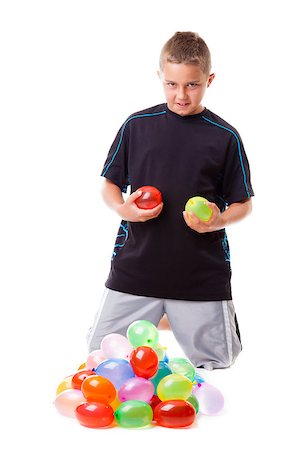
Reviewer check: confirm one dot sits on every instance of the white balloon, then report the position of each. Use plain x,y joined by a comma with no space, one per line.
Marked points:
94,359
116,345
67,401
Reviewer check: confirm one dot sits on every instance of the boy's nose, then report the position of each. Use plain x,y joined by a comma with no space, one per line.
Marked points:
181,93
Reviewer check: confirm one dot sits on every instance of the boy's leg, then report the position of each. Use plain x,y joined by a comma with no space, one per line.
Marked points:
206,330
118,310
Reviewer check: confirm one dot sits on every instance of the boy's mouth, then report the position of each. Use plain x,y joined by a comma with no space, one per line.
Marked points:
182,104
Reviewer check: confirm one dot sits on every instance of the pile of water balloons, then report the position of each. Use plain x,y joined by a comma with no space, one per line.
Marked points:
130,382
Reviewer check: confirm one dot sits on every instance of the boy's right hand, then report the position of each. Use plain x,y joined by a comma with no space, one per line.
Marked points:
129,210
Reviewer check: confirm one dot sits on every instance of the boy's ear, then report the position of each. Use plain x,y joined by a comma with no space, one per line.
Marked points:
159,74
210,79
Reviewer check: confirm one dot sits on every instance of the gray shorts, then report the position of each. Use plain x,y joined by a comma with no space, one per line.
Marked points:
207,331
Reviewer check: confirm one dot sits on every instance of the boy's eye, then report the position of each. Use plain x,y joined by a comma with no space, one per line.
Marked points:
171,84
193,85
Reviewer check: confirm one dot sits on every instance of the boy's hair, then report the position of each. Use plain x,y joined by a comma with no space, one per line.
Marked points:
188,48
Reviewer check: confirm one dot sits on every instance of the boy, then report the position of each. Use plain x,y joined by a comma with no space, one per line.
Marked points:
164,260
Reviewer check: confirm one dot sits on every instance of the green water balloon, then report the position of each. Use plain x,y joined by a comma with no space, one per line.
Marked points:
174,387
134,414
161,351
142,332
193,401
182,366
198,206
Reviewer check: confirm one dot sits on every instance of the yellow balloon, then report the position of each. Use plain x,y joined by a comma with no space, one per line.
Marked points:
82,366
116,403
174,387
64,385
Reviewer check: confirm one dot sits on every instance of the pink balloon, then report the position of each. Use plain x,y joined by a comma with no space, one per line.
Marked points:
94,359
116,346
136,388
67,401
211,401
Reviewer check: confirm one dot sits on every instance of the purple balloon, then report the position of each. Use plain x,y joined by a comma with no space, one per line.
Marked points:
116,370
211,401
136,388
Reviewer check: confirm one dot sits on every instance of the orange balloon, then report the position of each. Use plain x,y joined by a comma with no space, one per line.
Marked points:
98,389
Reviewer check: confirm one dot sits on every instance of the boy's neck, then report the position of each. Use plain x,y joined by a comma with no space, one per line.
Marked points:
197,110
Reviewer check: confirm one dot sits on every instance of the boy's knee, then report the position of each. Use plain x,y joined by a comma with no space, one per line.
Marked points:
221,362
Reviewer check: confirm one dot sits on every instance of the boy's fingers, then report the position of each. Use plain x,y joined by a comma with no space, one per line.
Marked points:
132,198
135,195
186,217
195,224
192,217
152,212
159,209
213,206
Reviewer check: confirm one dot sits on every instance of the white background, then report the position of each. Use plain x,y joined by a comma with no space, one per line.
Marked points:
71,73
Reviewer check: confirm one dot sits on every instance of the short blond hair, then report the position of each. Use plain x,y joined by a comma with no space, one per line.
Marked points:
186,47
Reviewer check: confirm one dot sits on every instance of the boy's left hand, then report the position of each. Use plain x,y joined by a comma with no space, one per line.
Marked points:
213,224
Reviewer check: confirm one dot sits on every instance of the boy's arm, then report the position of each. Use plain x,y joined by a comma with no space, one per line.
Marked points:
234,213
127,210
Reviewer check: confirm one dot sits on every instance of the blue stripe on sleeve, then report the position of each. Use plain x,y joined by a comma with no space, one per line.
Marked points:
239,150
121,136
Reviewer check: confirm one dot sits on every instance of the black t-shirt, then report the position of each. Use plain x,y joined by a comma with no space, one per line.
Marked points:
196,155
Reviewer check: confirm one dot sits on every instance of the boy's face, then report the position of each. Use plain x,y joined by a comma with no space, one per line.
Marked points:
184,87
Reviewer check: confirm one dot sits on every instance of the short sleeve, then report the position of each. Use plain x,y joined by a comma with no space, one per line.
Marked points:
116,164
236,183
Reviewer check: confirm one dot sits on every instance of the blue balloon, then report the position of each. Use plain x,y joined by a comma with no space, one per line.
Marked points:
163,371
166,359
116,370
198,379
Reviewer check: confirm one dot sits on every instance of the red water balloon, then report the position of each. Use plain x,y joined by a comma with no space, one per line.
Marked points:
174,414
155,400
79,377
144,361
150,198
94,415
